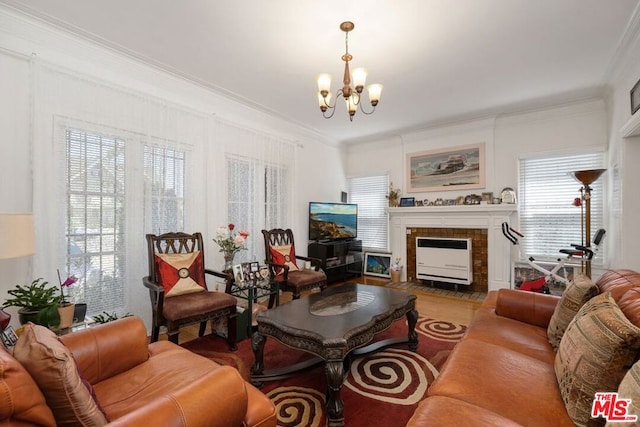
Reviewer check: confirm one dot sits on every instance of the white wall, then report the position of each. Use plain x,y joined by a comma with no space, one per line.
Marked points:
564,128
320,167
625,159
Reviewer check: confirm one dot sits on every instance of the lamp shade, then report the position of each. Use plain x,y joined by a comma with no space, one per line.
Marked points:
16,235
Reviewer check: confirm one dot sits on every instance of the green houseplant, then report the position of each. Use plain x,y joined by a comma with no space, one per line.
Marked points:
38,303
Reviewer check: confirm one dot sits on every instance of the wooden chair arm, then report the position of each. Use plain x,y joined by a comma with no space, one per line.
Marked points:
228,278
273,266
152,286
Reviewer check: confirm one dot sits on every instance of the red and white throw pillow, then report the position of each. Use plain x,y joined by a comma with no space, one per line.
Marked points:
181,274
286,255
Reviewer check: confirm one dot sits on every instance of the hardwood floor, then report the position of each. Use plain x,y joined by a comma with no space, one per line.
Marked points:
442,306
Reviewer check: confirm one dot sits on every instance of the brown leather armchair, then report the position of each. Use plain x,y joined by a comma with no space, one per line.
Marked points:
178,290
282,261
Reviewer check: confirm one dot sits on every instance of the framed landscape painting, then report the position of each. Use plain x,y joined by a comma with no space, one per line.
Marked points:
446,169
376,264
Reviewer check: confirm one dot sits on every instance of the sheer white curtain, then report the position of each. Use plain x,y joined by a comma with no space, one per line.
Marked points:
258,192
110,164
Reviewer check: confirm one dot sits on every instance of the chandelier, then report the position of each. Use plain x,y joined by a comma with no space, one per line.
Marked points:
350,94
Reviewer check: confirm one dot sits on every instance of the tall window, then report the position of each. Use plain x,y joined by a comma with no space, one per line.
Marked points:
95,221
164,188
548,218
369,192
100,209
257,199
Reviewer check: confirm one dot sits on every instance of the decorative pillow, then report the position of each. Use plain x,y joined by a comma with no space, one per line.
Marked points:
286,255
581,290
181,274
597,349
630,389
52,367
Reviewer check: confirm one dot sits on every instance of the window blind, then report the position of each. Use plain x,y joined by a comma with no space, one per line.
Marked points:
164,188
95,221
369,192
548,218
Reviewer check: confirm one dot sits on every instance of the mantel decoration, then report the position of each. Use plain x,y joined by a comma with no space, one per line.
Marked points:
350,94
393,196
230,242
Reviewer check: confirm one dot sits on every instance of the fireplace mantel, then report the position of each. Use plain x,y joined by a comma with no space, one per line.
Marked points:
489,217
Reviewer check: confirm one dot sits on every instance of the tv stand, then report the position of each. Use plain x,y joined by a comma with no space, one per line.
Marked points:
341,259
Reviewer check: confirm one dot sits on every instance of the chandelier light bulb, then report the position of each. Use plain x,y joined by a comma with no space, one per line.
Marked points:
324,83
375,90
359,78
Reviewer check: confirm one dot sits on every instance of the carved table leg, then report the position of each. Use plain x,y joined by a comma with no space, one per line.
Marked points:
335,406
412,319
257,345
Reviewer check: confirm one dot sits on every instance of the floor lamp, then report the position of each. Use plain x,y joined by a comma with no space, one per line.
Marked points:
16,240
587,177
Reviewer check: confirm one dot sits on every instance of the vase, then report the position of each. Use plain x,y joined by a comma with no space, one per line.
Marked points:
395,275
65,310
228,262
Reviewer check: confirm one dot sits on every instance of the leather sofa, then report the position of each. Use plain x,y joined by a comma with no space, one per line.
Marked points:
502,371
132,382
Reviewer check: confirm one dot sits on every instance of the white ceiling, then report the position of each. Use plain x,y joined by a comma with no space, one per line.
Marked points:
439,60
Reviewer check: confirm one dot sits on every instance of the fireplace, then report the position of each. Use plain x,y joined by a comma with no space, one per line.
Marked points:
481,223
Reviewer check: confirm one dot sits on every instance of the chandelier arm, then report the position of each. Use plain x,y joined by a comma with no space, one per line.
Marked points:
324,113
365,112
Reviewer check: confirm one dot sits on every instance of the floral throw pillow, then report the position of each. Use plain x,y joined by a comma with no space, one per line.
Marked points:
284,254
181,274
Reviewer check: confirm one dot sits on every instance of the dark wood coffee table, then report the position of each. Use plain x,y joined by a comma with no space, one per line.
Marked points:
334,325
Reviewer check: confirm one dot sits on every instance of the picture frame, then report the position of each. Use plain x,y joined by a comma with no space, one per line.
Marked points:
238,277
9,337
377,264
634,94
407,202
446,169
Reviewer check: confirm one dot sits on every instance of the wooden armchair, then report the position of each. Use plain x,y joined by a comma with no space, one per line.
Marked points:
282,262
178,290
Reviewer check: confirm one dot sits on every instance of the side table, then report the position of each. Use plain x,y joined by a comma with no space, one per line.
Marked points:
252,291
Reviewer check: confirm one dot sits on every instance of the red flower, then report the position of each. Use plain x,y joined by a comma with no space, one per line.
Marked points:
231,227
577,201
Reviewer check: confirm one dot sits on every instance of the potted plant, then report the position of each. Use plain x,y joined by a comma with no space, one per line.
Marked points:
65,308
38,303
393,196
396,270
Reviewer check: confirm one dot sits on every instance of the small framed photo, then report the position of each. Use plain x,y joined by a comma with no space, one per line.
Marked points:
407,201
635,97
237,274
487,197
377,264
9,338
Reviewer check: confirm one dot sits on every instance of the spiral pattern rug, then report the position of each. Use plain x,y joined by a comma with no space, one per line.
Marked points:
382,388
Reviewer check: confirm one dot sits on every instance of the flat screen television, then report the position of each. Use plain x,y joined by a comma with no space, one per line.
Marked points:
333,221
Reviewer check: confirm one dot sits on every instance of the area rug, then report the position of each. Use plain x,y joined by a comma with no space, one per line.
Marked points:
382,388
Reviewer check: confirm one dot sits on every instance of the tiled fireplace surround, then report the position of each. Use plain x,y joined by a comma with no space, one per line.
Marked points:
491,252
